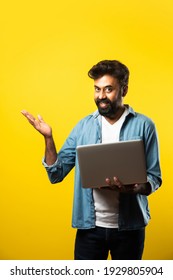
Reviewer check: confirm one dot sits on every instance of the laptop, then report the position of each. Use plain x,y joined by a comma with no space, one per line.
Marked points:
124,159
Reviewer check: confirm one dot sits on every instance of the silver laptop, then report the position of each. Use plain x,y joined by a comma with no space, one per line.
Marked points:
125,159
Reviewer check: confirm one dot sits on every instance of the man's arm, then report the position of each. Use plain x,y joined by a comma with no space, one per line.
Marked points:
50,151
46,131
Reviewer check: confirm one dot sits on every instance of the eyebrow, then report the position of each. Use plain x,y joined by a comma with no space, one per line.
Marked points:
104,87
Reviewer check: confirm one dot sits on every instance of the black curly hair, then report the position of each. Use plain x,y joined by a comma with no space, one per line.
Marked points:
110,67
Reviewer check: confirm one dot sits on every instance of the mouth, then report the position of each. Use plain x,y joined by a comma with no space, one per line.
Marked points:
103,104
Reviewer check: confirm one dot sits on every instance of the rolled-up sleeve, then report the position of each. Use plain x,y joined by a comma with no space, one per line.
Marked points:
54,171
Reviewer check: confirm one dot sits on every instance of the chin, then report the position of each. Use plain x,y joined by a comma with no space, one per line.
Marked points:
105,113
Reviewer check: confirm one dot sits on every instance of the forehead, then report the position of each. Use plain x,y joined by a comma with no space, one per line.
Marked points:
106,80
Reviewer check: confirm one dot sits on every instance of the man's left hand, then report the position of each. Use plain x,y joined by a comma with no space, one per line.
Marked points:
115,184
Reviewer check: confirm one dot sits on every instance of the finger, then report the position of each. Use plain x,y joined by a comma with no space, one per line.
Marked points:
117,182
25,113
108,181
28,115
40,118
30,118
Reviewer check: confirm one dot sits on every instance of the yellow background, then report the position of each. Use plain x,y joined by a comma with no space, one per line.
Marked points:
46,50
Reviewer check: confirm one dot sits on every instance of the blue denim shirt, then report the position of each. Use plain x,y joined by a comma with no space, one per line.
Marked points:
133,208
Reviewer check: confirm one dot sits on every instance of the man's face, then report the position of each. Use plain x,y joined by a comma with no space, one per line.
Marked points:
108,96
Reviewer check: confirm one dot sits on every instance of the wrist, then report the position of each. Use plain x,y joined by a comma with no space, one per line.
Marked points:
48,137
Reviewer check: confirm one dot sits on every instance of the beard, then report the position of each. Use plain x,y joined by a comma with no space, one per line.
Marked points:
110,108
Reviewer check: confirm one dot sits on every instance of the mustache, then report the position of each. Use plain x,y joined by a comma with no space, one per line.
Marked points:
104,100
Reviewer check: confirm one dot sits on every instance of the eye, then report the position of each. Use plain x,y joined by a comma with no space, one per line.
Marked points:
97,89
108,89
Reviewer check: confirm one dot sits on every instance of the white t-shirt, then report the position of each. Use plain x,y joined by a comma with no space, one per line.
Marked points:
106,201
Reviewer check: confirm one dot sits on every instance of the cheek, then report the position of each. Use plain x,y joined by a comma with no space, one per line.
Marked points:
112,98
115,98
96,96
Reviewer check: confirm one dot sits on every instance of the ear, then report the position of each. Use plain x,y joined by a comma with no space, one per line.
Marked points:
124,90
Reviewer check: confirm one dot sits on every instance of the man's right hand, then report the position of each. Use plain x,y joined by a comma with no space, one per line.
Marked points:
38,124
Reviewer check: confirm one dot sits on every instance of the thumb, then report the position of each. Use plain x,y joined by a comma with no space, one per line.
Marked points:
40,118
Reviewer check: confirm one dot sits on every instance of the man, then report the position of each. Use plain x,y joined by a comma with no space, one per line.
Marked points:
110,219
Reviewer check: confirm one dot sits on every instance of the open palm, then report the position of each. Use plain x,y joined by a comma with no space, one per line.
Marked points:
38,124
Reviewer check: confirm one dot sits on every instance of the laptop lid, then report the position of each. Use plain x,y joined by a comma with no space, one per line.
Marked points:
124,159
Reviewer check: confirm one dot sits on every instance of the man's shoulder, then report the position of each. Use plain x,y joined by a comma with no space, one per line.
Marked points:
144,118
140,116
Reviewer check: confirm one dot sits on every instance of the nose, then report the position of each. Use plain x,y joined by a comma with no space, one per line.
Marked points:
102,94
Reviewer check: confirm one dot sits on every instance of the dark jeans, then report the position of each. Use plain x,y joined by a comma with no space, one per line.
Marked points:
95,244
